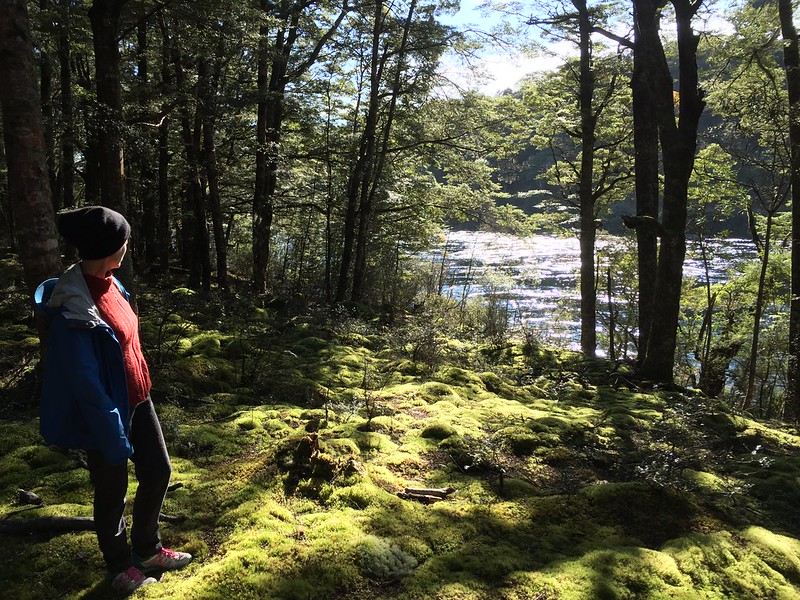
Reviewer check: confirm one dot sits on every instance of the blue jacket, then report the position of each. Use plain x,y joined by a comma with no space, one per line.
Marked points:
84,393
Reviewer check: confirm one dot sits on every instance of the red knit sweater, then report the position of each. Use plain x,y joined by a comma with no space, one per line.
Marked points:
118,314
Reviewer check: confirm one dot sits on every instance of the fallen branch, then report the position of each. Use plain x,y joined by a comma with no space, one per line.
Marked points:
426,495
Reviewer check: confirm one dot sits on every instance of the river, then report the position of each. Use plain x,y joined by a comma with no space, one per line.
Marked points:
538,276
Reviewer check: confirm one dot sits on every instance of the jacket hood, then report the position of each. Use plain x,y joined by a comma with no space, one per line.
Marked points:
70,296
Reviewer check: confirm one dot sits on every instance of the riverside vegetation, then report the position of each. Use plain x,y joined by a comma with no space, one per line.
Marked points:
292,430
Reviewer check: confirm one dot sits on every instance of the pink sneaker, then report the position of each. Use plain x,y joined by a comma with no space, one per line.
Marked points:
130,580
164,560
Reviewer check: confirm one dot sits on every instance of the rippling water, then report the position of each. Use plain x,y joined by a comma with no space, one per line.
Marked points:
538,275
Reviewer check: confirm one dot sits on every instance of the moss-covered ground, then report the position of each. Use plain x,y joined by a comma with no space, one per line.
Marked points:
292,434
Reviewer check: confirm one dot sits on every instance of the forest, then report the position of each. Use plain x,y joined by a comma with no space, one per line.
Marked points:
338,426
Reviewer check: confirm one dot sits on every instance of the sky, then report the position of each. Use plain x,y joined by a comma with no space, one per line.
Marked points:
504,70
501,70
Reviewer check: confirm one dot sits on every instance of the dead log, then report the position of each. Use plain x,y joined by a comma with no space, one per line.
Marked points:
52,525
58,525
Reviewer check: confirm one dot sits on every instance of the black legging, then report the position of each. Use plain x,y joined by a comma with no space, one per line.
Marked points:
153,470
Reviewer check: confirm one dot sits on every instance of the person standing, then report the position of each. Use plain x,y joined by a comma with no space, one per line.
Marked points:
96,396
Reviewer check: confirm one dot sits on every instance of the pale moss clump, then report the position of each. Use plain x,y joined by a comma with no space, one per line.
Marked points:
383,560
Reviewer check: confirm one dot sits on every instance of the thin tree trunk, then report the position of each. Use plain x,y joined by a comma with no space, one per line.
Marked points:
588,231
67,194
757,313
164,233
791,60
164,229
262,210
370,185
273,77
208,85
201,246
147,188
359,176
91,147
48,118
195,238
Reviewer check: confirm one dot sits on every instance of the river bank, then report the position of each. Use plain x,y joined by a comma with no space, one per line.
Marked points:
538,275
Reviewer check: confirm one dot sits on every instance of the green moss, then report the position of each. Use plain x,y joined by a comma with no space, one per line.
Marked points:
460,377
371,441
779,552
606,492
438,431
708,482
201,374
361,495
250,420
14,435
435,391
208,343
520,441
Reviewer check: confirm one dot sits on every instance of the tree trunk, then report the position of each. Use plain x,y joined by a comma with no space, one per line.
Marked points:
195,240
105,18
208,83
791,60
645,142
678,145
588,231
91,147
28,184
164,232
147,184
357,185
67,194
262,210
199,250
274,75
759,309
164,155
48,118
366,207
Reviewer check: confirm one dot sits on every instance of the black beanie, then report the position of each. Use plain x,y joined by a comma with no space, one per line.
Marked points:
95,231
